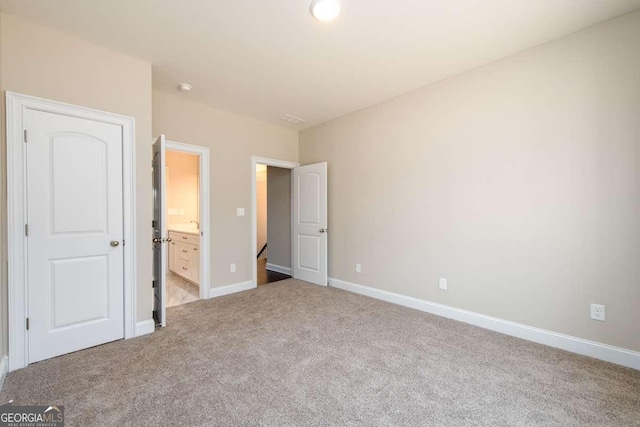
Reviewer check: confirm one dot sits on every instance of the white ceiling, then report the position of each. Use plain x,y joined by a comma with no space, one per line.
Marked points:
264,58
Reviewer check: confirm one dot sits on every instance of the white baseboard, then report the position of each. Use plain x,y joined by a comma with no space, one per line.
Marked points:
278,269
593,349
231,289
145,327
4,369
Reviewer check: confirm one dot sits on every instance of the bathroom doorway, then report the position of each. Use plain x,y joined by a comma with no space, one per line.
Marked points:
181,264
187,213
183,226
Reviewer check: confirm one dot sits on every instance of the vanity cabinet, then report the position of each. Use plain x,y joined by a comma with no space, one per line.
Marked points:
184,255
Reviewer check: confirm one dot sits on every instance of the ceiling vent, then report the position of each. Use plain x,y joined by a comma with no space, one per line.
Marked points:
291,119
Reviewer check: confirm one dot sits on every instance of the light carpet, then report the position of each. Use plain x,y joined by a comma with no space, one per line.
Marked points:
291,353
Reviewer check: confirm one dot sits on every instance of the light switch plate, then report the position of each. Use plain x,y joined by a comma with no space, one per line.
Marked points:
442,284
240,211
232,268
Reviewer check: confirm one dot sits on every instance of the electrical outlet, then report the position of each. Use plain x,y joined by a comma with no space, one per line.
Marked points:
442,284
240,211
358,268
597,312
232,268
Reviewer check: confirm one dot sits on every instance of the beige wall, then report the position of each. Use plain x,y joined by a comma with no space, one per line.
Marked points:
45,63
261,206
232,140
279,221
517,181
182,188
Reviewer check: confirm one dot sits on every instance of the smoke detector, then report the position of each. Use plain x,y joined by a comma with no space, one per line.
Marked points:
291,119
184,87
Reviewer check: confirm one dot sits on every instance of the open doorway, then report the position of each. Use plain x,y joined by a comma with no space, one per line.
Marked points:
260,191
273,223
308,218
181,239
182,217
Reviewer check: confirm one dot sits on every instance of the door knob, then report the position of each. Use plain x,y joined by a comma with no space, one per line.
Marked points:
156,240
114,243
169,239
322,230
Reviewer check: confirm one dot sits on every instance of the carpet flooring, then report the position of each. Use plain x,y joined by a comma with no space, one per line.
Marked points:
291,353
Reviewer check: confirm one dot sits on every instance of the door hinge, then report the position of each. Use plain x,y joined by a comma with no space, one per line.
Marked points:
25,135
153,284
26,230
27,323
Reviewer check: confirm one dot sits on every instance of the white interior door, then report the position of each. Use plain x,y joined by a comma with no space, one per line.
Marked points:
159,231
74,237
310,223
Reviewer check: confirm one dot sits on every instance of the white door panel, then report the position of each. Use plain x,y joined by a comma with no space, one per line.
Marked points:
309,189
72,211
85,279
159,227
309,250
310,223
75,211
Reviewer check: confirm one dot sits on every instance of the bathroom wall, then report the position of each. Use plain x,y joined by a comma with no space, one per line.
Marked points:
182,188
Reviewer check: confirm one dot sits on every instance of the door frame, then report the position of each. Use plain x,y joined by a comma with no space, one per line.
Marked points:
204,206
285,164
16,107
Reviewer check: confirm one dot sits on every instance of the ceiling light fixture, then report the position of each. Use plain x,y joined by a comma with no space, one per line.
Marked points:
326,10
185,87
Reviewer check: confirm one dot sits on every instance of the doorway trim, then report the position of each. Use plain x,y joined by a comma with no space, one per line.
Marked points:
16,106
255,160
204,202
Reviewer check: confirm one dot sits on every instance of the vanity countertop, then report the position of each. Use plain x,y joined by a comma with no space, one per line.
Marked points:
184,229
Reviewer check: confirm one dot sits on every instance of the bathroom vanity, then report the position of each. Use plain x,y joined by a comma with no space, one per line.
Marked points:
184,254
